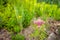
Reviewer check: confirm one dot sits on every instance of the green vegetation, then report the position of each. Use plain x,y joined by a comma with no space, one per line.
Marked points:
16,15
18,37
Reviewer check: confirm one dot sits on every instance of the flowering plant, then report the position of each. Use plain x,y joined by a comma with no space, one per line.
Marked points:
39,22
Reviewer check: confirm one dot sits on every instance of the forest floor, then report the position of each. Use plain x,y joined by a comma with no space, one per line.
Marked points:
54,27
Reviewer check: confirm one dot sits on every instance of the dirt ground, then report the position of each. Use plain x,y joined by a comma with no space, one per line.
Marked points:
54,26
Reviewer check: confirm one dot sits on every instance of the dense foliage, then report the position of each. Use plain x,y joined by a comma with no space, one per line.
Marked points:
57,2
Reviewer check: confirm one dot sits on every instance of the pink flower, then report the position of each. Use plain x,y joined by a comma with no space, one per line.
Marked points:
39,22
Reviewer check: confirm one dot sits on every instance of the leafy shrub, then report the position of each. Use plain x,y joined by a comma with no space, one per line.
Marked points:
47,11
0,22
26,11
39,33
8,17
16,29
57,14
18,37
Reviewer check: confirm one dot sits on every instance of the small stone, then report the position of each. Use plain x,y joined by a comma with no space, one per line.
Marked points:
7,38
1,38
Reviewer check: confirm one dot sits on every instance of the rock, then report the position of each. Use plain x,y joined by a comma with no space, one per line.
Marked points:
52,36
